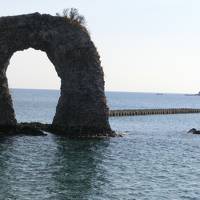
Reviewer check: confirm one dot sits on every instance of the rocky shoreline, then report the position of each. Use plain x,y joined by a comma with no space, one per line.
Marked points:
40,129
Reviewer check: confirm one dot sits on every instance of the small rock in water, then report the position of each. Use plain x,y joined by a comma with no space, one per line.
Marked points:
194,131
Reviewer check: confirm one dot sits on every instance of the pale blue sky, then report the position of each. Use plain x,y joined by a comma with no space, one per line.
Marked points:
145,45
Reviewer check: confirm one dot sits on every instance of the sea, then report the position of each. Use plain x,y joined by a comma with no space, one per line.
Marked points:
156,159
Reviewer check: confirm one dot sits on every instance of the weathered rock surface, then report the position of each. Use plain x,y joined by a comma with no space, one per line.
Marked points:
82,104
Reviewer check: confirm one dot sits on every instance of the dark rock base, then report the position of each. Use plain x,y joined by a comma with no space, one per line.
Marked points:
39,129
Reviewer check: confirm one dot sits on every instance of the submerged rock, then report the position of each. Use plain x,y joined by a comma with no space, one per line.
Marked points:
194,131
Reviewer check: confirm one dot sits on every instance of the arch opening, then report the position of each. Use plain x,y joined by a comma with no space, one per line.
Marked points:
34,86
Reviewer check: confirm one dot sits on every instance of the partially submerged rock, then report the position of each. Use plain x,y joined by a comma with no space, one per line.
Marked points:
21,129
194,131
39,129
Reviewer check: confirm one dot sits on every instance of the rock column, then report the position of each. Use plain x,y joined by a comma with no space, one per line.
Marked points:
7,115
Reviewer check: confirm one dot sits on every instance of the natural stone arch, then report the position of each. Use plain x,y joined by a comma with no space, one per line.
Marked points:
82,103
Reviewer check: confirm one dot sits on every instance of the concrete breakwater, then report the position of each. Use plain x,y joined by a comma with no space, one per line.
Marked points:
165,111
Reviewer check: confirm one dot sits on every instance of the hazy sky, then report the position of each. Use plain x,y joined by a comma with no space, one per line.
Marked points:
145,45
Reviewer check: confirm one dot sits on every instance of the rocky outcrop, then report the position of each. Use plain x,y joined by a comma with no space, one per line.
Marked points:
82,104
194,131
39,129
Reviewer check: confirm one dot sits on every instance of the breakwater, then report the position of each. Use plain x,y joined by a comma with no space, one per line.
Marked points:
165,111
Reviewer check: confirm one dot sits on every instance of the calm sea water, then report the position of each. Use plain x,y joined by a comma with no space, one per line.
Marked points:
155,160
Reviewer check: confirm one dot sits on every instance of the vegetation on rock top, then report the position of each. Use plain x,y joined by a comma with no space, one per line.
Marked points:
72,16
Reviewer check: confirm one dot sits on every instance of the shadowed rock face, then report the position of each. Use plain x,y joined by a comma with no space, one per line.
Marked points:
82,103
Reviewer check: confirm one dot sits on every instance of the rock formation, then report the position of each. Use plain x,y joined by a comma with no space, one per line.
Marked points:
82,104
194,131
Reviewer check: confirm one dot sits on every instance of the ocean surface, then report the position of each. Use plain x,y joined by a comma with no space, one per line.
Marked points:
155,160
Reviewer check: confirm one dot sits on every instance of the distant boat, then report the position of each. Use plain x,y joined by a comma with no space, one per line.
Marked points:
159,94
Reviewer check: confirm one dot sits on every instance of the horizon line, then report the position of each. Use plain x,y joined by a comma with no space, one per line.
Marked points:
154,92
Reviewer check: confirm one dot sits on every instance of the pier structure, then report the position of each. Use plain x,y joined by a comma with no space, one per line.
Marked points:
163,111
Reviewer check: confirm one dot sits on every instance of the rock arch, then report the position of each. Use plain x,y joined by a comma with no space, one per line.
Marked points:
82,103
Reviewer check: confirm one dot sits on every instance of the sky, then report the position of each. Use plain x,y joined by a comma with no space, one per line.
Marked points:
145,45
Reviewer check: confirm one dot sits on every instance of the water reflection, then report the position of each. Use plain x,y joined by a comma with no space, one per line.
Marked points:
51,168
5,186
80,173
